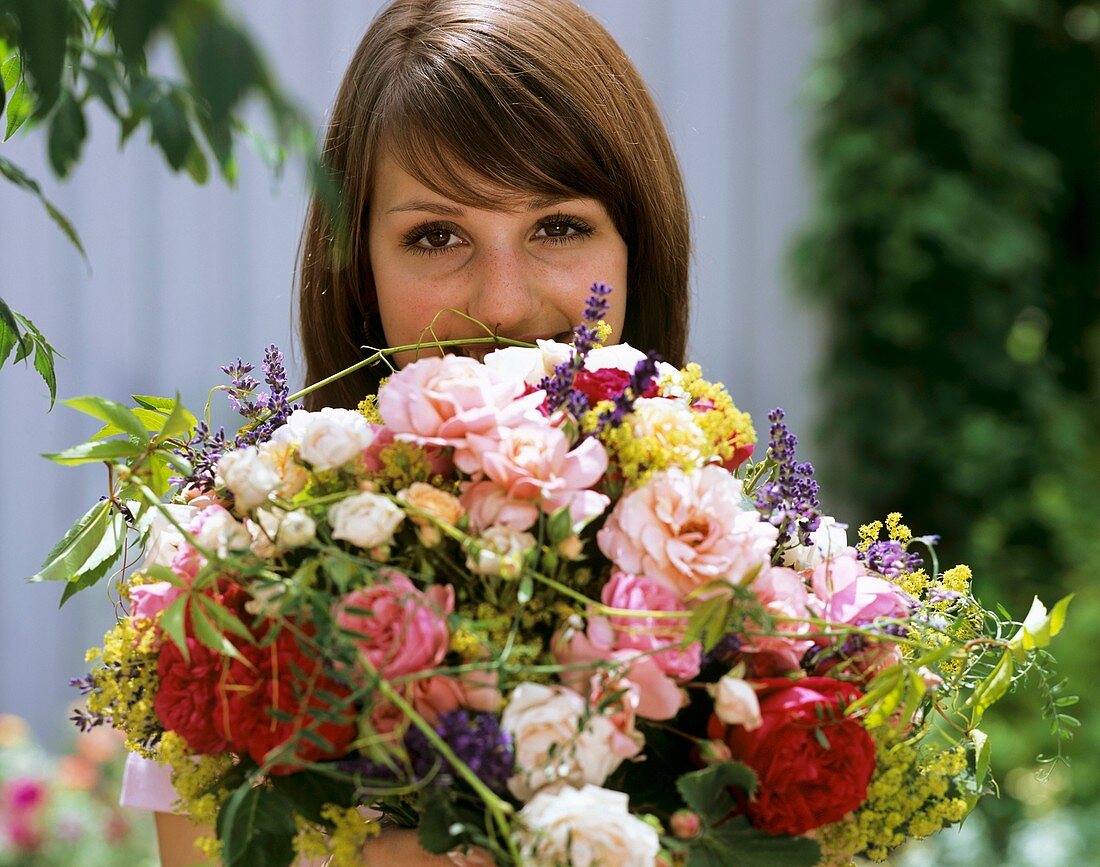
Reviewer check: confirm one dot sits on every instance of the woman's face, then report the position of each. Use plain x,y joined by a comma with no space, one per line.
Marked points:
523,269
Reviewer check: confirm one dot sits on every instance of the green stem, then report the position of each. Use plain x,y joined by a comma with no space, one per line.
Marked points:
500,809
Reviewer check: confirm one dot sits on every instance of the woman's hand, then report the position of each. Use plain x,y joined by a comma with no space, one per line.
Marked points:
176,836
400,846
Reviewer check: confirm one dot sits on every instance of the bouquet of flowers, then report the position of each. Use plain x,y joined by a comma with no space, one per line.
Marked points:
545,607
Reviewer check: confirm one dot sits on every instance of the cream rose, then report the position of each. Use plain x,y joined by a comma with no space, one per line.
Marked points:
164,538
279,454
735,702
827,542
249,477
499,551
276,531
330,438
366,520
554,743
585,827
220,532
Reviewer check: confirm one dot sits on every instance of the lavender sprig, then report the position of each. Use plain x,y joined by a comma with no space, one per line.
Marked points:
559,387
267,412
888,557
476,739
789,501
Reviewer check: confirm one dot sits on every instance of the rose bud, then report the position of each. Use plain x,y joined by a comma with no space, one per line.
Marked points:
685,824
714,752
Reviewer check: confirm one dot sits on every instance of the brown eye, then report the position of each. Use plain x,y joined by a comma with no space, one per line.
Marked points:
437,238
561,228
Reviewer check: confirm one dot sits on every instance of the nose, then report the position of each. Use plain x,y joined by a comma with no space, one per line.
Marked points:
505,290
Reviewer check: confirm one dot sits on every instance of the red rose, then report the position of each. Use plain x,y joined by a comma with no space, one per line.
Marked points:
281,676
606,383
188,701
804,784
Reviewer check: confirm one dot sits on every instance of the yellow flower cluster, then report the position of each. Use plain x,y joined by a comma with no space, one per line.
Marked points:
603,331
897,530
713,435
195,779
725,425
912,794
126,680
402,464
368,406
868,534
349,834
321,482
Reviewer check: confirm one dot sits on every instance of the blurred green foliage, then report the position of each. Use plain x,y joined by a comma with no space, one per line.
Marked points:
955,244
59,57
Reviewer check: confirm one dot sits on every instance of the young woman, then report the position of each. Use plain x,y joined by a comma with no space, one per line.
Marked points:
494,157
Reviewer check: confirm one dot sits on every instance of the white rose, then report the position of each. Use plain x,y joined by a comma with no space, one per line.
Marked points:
828,541
528,364
164,539
366,520
670,381
276,531
499,551
221,532
249,477
330,438
585,827
735,702
279,455
550,744
620,355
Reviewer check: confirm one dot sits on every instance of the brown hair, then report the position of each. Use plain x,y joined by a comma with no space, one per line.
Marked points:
532,95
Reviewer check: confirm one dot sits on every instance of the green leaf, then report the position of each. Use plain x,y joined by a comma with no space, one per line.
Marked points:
437,822
10,335
171,129
97,537
309,791
208,634
20,106
10,72
179,421
256,826
708,621
992,688
197,165
172,623
224,618
707,791
86,580
21,179
103,450
221,61
982,754
99,85
44,27
67,133
134,22
737,842
115,414
560,526
44,365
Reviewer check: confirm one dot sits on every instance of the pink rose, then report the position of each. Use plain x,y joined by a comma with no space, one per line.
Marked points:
688,529
782,594
476,690
639,593
529,467
658,696
406,630
148,600
439,400
844,591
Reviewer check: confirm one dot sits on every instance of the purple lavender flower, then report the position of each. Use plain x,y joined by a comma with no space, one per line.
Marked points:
789,501
559,387
267,412
476,739
889,558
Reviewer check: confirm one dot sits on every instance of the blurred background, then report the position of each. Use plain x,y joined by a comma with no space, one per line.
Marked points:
896,214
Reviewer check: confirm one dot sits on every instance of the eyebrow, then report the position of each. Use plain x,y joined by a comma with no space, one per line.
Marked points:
456,211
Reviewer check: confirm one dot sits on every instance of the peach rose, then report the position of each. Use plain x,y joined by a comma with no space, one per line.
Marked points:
688,529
